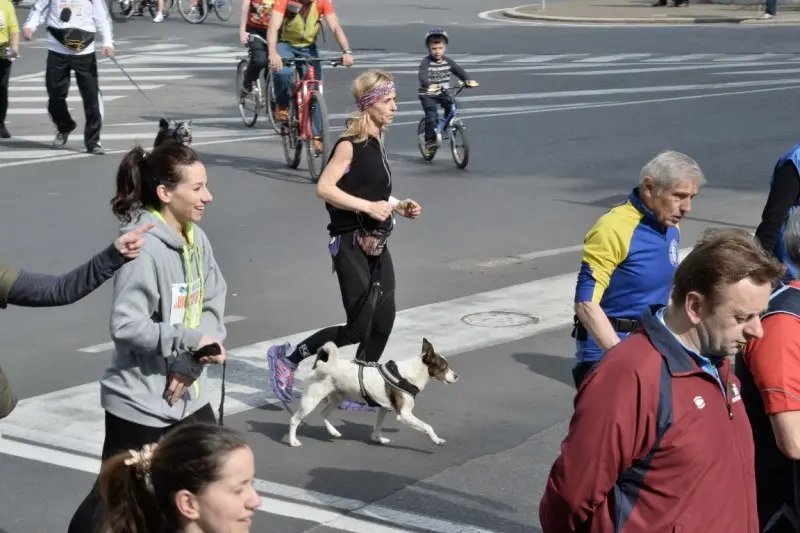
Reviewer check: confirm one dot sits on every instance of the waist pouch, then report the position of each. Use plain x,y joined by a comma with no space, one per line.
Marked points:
620,325
8,400
372,242
72,38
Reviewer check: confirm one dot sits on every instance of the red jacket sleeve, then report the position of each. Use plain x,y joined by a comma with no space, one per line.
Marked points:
614,422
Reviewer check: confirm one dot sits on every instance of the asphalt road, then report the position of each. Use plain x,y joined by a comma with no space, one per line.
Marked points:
562,122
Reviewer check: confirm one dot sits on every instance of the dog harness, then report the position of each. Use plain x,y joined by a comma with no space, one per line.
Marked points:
391,376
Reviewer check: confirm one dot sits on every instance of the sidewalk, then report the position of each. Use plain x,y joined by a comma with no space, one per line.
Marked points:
642,12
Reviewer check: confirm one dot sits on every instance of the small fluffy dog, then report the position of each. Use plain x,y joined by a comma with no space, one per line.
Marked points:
391,385
178,130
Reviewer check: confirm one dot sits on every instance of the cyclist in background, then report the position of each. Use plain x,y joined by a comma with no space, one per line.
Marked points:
255,19
293,29
434,75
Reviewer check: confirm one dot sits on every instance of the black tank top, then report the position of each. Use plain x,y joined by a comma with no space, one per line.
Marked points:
368,177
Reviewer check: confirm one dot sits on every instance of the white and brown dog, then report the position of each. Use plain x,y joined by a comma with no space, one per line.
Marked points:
390,386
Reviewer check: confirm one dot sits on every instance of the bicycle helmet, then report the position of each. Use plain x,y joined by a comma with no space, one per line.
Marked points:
436,32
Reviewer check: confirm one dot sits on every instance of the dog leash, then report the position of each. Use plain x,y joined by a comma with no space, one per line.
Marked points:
155,107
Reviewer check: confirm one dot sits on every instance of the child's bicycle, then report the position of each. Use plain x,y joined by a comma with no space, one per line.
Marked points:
261,97
448,127
306,97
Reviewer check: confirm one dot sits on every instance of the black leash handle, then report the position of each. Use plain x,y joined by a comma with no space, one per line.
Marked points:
207,351
157,110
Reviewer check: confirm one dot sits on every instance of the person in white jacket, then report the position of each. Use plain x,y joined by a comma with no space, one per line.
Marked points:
73,26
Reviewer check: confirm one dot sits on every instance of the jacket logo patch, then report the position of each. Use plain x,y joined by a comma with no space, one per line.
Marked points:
673,252
699,402
736,395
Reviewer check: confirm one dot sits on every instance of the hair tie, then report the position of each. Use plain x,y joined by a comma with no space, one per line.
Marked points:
377,94
142,461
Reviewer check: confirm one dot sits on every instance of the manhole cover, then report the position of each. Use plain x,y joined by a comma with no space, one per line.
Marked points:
499,319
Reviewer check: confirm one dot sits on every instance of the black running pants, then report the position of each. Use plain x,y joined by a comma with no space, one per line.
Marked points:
57,81
123,435
357,272
5,76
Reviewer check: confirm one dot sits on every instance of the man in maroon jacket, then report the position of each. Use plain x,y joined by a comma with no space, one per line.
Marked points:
660,441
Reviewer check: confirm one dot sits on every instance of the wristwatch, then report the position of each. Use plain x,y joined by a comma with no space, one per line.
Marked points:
347,51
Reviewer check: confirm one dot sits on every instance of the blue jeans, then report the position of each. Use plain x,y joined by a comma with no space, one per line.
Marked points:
588,354
283,77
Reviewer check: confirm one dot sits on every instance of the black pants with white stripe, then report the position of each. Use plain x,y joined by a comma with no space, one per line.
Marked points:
57,80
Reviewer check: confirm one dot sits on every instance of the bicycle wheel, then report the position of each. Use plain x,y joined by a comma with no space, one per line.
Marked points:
421,141
169,5
459,145
250,104
269,102
292,147
318,160
193,11
120,10
223,9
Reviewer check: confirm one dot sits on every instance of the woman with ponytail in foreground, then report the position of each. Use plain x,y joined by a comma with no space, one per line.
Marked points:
167,304
196,479
356,185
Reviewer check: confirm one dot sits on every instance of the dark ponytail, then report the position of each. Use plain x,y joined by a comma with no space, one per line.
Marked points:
128,504
139,175
141,498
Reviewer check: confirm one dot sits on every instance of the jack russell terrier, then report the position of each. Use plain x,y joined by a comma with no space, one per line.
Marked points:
391,386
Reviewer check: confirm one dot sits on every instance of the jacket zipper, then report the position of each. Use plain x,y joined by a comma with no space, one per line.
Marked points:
736,438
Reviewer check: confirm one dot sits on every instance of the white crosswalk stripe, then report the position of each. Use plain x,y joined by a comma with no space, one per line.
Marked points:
157,66
154,66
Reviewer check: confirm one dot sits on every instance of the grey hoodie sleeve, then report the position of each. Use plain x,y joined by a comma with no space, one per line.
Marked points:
216,291
134,316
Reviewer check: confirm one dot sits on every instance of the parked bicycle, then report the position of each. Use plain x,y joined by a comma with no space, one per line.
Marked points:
197,11
450,128
306,100
261,97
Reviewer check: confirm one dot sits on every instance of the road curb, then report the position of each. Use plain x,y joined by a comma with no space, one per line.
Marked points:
515,13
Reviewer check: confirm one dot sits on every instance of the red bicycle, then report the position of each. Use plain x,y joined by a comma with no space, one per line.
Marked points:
306,100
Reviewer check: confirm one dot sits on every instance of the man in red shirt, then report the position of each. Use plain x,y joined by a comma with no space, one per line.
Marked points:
660,440
769,370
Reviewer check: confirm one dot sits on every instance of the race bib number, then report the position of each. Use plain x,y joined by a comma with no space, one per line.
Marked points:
183,299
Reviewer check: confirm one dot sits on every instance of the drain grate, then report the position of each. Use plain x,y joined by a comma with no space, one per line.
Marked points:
499,319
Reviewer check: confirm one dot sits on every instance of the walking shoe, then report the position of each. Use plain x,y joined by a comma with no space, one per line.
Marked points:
349,405
159,17
96,149
281,371
4,132
61,139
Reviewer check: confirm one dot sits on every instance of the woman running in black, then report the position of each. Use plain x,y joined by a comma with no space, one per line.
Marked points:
356,186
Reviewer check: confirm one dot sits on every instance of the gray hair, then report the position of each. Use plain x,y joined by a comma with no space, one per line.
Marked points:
668,167
791,236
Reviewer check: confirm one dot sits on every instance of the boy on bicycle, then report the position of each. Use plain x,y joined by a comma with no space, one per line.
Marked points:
255,19
434,79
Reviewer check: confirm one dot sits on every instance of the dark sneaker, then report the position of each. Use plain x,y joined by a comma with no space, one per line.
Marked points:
97,149
4,132
281,372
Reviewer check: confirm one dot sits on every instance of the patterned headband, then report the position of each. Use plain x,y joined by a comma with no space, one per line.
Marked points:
375,95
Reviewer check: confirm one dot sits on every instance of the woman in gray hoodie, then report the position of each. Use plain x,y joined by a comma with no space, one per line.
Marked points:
167,305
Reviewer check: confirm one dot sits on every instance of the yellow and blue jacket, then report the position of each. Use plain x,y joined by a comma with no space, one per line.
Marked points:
629,260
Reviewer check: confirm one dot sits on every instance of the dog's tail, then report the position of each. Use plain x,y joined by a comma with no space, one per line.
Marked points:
327,356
